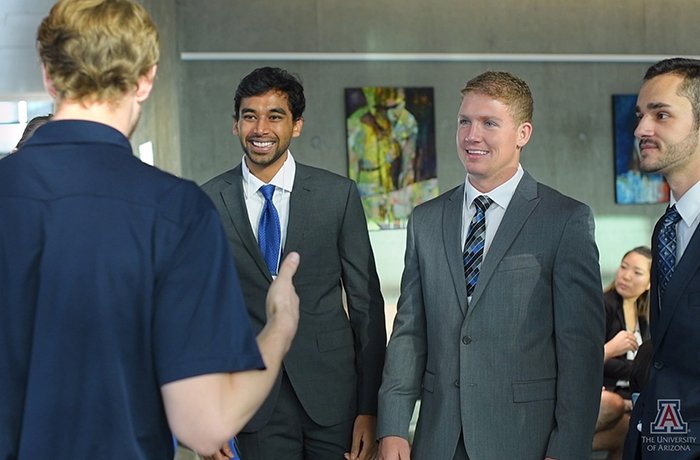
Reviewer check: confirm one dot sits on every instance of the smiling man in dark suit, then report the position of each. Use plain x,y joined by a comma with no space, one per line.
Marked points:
324,402
500,322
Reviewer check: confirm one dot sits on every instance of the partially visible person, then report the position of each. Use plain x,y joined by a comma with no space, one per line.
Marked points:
626,327
121,318
324,402
32,126
626,318
665,421
500,324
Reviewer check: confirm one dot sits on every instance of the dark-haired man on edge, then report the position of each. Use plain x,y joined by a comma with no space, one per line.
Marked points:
665,422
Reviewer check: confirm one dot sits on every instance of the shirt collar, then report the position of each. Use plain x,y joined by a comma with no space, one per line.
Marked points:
78,132
689,204
501,195
284,178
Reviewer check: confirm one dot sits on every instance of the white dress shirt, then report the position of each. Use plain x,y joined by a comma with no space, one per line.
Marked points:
254,200
501,197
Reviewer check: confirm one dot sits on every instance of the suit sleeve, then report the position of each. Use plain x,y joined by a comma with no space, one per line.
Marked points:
579,336
407,349
365,301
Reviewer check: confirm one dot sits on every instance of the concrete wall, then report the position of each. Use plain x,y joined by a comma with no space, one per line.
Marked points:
160,120
189,116
20,76
572,146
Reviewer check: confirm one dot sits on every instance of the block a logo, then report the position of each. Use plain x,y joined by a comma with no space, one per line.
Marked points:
668,418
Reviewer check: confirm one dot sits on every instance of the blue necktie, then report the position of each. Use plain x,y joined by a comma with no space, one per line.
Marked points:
474,245
667,246
269,230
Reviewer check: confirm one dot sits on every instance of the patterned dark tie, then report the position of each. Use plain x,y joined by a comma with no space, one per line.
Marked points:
269,230
667,246
474,245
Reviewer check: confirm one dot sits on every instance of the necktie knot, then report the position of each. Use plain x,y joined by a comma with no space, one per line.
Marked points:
267,191
482,202
672,217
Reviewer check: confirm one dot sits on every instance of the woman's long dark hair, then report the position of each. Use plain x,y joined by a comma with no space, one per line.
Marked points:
642,301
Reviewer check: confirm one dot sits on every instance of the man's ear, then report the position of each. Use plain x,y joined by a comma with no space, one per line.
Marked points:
144,85
48,83
296,129
524,133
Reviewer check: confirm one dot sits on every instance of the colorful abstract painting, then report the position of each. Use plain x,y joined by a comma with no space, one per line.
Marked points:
391,151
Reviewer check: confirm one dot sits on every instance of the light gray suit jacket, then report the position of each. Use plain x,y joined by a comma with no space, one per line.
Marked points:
335,361
518,371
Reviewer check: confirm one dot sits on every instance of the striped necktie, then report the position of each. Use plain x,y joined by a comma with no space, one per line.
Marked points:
473,252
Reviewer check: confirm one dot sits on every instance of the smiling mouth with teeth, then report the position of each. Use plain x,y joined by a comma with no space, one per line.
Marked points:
477,152
262,145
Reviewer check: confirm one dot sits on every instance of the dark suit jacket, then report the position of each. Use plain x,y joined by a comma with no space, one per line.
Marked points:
518,371
674,374
619,367
335,362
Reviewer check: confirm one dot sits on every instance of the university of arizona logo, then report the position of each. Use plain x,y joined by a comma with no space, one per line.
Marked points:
668,418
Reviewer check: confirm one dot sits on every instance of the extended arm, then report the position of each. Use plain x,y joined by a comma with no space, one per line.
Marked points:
207,410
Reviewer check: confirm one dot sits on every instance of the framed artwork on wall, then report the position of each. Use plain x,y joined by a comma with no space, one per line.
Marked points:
631,185
391,151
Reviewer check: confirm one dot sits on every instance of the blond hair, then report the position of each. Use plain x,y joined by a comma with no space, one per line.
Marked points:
506,88
96,50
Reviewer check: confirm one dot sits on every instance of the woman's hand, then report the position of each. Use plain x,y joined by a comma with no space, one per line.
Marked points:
623,342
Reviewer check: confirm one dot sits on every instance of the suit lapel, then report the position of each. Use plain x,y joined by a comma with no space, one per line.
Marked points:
677,285
234,200
300,196
452,236
522,204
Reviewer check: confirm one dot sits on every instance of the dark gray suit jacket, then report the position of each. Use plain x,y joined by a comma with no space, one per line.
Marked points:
518,371
335,361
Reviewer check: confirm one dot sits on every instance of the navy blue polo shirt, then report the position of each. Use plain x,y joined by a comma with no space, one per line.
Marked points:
115,278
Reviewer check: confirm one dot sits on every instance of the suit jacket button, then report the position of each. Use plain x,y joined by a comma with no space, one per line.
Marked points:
457,383
658,364
466,340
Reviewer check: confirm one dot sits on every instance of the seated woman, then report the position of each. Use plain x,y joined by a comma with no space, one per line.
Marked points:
626,327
